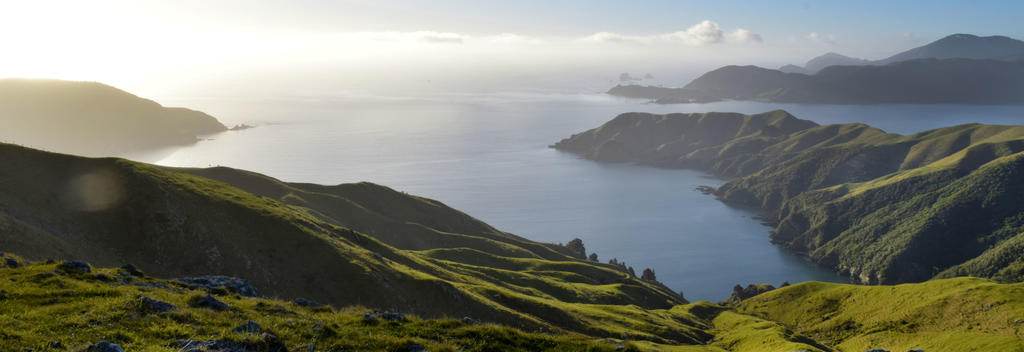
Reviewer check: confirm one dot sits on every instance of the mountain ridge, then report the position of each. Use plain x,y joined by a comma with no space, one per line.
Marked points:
868,204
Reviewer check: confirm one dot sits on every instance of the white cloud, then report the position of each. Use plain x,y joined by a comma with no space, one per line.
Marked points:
824,38
510,38
703,33
439,37
741,35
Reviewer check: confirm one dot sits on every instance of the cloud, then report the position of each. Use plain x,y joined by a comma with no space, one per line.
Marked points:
741,35
439,37
510,38
824,38
703,33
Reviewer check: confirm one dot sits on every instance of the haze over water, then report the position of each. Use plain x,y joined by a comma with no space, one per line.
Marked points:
487,155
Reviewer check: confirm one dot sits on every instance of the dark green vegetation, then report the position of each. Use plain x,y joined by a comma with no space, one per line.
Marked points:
960,68
93,119
42,305
879,207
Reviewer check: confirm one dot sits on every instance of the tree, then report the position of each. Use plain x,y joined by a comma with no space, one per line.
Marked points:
631,272
649,275
576,248
593,257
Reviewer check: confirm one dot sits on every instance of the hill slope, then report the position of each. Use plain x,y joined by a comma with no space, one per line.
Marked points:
288,240
93,119
44,306
878,207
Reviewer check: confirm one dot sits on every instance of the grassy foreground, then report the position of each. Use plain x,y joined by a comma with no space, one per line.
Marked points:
45,308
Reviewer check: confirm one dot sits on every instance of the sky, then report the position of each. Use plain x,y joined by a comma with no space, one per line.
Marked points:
310,47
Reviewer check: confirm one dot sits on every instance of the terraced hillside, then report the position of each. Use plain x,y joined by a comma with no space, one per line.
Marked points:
879,207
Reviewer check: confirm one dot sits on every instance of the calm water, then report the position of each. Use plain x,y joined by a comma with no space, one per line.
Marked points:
488,156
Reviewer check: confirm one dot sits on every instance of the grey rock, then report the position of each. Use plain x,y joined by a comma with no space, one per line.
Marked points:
468,320
232,284
391,316
210,302
306,303
103,347
11,262
250,327
417,348
152,305
75,267
132,270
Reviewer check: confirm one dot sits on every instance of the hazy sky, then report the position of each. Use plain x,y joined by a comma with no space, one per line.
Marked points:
244,47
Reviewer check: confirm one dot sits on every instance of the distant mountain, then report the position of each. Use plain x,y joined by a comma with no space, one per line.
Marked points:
924,81
878,207
965,46
833,59
795,69
960,68
93,119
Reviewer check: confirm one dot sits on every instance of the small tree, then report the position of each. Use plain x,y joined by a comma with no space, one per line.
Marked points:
631,272
649,275
593,257
576,248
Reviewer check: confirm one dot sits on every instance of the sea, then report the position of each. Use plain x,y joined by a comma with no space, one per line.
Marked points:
487,155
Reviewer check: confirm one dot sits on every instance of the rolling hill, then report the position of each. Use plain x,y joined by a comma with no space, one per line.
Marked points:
875,206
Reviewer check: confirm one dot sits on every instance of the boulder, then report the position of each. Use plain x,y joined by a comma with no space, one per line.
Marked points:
103,347
75,267
132,270
11,262
152,305
306,303
231,284
209,302
249,328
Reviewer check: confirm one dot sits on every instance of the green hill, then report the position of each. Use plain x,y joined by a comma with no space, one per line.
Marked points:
327,243
879,207
46,307
90,118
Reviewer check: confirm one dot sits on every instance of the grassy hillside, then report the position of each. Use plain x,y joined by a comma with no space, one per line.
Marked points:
326,243
879,207
46,307
963,314
93,119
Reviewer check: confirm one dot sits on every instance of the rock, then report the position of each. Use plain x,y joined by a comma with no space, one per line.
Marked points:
417,348
56,345
75,267
272,344
391,316
250,328
368,317
468,320
267,343
132,270
306,303
11,262
103,347
209,302
152,305
208,346
231,284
